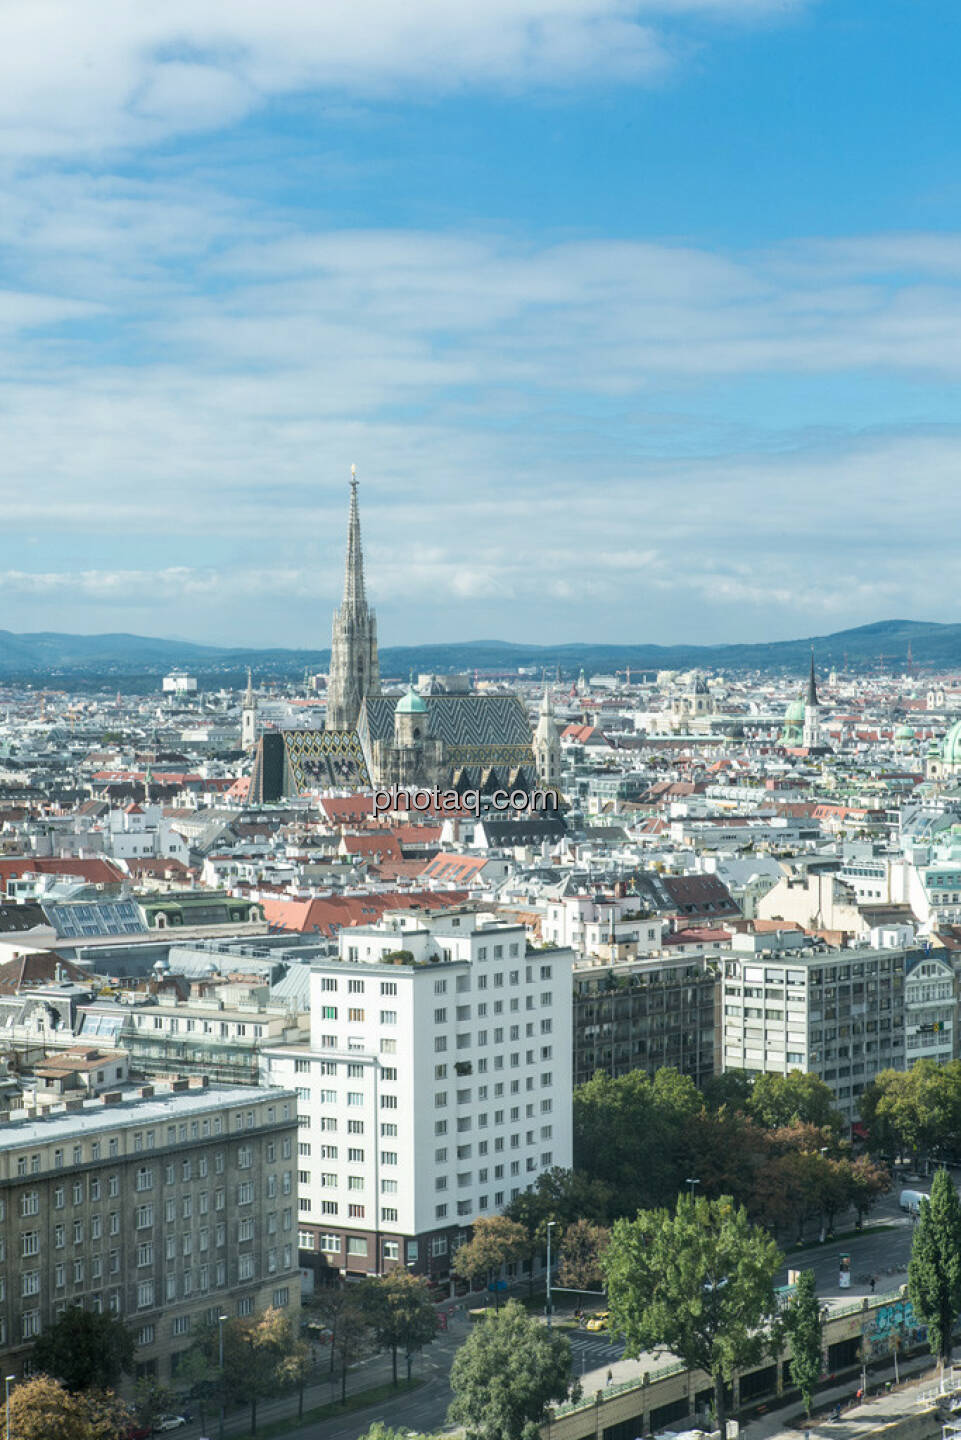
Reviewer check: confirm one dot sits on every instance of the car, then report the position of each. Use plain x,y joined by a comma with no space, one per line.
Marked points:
598,1321
169,1422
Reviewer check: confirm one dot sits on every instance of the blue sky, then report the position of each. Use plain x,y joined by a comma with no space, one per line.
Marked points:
640,318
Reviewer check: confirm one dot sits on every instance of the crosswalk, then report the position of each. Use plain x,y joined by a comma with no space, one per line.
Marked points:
595,1352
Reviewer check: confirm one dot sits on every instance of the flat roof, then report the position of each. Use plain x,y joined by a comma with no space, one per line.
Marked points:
134,1109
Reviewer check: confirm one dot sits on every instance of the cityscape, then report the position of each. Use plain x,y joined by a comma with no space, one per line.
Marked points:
480,853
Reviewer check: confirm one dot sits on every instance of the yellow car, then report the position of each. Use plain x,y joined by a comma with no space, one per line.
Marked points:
598,1321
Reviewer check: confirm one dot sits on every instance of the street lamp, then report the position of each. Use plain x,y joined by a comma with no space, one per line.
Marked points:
221,1319
550,1226
8,1381
692,1181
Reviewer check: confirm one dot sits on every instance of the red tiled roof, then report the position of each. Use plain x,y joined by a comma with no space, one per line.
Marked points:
331,913
94,871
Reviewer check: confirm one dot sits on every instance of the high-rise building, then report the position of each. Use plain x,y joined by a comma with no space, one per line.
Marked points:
436,1087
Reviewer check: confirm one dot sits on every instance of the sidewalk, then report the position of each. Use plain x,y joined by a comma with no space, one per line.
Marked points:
880,1407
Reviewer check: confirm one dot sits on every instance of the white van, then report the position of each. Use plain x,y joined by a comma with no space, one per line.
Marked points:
911,1201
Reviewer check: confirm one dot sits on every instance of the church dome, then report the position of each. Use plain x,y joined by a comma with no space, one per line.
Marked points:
794,714
904,732
411,704
951,745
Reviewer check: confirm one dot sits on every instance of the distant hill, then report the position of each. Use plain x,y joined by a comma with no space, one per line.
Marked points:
133,662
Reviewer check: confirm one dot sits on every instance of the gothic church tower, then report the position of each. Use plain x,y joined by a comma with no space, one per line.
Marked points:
811,735
354,666
547,744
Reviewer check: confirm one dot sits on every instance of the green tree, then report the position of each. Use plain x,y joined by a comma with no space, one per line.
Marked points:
636,1135
496,1241
730,1089
255,1347
351,1339
778,1100
934,1270
916,1110
330,1305
698,1282
504,1376
198,1375
152,1400
401,1314
802,1324
582,1248
86,1350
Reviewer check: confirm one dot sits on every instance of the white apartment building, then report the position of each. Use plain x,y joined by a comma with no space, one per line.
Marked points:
436,1086
841,1014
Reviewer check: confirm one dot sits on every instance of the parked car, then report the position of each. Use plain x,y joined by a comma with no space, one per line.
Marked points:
170,1422
598,1321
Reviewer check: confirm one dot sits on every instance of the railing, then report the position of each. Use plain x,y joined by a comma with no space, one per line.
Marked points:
675,1367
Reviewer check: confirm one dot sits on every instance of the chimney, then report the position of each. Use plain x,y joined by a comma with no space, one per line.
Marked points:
146,1092
199,1082
112,1097
177,1085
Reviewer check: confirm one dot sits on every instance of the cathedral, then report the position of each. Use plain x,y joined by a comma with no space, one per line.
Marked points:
458,741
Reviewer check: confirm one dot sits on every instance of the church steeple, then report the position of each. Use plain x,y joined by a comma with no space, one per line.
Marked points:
354,666
354,594
811,734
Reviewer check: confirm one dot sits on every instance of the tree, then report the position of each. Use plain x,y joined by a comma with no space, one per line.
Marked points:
42,1407
400,1312
504,1376
296,1368
152,1400
731,1089
635,1135
934,1270
582,1248
331,1303
255,1347
198,1373
868,1183
916,1110
778,1100
496,1241
699,1283
351,1339
802,1323
86,1350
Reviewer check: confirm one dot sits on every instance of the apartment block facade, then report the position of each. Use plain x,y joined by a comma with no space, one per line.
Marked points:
168,1205
437,1086
840,1014
644,1014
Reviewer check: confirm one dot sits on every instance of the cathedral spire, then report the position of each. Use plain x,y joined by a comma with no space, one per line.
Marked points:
812,695
354,595
354,666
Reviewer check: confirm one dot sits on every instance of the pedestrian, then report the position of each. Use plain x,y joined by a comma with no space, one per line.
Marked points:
874,1281
610,1376
859,1396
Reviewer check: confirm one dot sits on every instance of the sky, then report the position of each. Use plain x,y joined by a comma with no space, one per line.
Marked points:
641,319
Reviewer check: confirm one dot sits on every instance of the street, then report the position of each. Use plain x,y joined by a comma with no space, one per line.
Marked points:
883,1253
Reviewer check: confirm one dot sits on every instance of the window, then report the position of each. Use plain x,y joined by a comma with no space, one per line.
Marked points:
356,1246
30,1203
31,1242
245,1193
356,1212
145,1294
145,1177
181,1325
146,1335
245,1267
388,1017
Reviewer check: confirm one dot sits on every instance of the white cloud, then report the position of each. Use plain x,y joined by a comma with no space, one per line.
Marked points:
109,74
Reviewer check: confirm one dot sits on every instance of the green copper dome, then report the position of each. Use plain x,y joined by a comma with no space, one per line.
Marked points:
411,704
904,732
794,714
951,745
